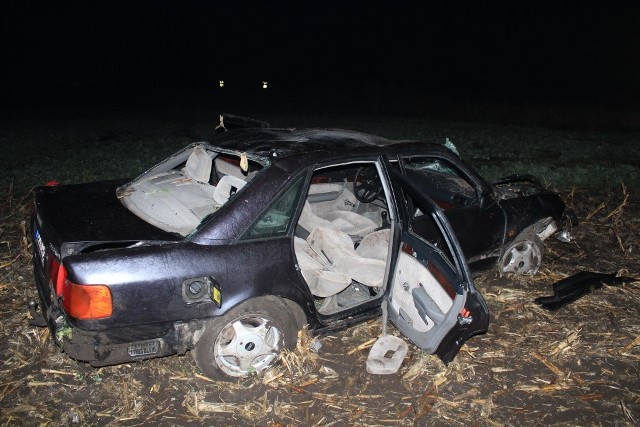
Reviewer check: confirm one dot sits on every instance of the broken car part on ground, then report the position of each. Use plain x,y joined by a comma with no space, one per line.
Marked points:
228,248
571,288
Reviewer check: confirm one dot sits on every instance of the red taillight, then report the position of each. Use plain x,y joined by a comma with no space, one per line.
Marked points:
86,301
57,275
52,183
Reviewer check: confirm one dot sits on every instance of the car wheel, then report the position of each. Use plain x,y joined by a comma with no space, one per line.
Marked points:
246,340
523,256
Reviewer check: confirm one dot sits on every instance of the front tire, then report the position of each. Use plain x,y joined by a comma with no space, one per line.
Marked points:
523,256
247,340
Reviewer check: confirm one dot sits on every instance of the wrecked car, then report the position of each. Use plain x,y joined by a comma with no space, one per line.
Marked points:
226,249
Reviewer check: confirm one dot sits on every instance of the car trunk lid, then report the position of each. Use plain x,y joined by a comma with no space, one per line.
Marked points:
90,213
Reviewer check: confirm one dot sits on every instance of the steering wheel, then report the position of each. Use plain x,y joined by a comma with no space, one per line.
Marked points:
367,186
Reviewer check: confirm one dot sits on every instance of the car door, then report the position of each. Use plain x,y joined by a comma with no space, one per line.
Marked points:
431,297
476,217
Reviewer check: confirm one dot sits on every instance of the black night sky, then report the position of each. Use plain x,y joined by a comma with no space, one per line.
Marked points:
365,56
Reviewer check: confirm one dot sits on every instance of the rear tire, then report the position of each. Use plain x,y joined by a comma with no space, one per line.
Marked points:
523,256
247,340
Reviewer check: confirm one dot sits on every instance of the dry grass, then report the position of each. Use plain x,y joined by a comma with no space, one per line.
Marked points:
577,366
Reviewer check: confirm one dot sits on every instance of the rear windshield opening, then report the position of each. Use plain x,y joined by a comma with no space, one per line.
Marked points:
178,194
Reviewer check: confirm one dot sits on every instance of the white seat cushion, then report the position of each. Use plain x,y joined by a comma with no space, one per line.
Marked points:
224,188
322,281
350,222
375,245
353,224
335,249
198,165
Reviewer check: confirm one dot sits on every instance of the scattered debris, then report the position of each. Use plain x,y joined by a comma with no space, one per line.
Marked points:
315,345
388,352
573,287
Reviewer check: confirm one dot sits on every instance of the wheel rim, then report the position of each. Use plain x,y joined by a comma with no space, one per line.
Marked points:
247,345
523,258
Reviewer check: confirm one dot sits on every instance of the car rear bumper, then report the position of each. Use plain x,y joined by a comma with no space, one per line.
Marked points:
111,347
99,350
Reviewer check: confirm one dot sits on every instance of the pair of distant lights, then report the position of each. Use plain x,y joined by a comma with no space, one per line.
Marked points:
264,84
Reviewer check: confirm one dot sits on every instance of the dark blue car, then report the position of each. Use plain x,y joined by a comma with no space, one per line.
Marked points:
228,248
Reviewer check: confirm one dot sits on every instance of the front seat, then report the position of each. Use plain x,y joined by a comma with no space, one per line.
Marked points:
355,225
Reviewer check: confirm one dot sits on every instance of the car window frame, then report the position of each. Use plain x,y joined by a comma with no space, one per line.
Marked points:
375,161
304,178
480,186
438,215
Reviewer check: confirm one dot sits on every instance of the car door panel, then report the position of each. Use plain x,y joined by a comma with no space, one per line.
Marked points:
431,298
419,304
473,320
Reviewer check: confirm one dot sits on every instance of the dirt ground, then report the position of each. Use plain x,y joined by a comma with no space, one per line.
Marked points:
577,366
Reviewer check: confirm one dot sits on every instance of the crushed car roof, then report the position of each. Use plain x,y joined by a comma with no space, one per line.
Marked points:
325,144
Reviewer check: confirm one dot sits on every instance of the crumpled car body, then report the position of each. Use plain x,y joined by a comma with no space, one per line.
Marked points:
228,248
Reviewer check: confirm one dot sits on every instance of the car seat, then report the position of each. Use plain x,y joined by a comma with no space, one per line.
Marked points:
198,165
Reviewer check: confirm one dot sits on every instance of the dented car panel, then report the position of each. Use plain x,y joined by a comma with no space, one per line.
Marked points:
228,248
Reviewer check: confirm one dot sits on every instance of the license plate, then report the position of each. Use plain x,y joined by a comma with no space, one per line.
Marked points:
39,247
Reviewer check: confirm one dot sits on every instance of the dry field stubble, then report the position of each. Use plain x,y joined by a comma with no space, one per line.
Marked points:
579,365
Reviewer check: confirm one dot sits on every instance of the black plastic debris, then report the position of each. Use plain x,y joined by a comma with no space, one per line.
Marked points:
574,287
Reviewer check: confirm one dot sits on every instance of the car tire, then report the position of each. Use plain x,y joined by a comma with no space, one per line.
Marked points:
247,340
523,256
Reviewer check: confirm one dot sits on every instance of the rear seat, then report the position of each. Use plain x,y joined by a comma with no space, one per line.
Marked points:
329,263
323,282
225,168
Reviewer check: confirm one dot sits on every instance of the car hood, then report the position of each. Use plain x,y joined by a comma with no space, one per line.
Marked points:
90,213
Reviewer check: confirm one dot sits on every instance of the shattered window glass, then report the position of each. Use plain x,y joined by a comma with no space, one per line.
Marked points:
276,221
442,181
426,164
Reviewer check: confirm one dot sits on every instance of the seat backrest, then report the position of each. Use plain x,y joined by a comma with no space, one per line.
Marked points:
198,165
225,187
224,167
309,220
375,245
337,248
351,223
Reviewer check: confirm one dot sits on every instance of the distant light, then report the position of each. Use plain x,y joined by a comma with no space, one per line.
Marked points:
221,83
264,85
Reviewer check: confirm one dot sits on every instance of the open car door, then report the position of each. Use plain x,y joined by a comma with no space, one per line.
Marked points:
431,299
